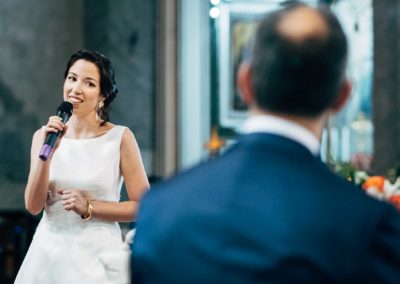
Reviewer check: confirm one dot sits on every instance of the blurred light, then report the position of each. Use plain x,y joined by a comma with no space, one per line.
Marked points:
215,2
214,12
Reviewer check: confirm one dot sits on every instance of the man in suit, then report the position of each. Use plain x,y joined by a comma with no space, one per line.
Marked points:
268,210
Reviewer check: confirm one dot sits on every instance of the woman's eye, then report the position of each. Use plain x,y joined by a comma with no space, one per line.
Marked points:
90,84
71,78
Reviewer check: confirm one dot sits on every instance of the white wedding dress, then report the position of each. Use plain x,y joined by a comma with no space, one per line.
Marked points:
65,248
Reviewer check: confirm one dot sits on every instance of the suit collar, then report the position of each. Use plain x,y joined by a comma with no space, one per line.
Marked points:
282,127
272,142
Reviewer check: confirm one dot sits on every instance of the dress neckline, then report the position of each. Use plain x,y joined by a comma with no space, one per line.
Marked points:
91,138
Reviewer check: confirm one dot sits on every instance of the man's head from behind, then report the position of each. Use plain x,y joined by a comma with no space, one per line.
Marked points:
298,61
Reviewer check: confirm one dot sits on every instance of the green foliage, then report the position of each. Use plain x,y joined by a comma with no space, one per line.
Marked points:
346,170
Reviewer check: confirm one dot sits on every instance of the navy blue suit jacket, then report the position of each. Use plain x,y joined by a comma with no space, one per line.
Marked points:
267,211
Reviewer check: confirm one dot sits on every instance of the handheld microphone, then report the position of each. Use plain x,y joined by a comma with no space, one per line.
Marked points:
64,111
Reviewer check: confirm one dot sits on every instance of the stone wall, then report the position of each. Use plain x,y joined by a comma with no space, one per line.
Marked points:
386,90
125,32
37,37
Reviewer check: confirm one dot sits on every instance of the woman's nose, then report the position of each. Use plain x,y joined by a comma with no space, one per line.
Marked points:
77,88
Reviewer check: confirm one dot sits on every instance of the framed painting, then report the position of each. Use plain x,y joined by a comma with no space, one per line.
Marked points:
236,27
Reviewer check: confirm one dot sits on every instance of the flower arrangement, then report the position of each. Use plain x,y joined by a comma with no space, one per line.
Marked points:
381,187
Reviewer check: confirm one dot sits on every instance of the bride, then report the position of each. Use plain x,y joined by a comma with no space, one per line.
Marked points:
78,239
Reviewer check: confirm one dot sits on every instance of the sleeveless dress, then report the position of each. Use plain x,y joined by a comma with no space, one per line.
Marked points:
65,248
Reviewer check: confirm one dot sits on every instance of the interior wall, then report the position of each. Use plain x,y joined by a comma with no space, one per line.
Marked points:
386,90
37,38
194,81
124,31
166,103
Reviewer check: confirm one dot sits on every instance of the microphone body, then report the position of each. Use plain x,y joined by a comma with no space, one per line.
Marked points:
64,111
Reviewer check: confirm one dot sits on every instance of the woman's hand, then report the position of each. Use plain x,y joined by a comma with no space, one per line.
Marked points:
54,125
73,199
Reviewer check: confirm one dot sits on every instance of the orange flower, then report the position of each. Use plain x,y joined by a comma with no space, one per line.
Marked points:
395,199
374,181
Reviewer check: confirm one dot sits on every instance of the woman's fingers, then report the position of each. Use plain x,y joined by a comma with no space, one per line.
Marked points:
54,124
73,200
69,204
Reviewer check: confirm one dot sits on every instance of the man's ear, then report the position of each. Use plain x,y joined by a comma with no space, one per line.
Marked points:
344,95
244,84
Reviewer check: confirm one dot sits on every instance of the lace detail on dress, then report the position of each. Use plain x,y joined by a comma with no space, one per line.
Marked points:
68,224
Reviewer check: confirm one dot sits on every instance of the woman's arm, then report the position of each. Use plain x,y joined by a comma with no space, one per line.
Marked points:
136,184
37,187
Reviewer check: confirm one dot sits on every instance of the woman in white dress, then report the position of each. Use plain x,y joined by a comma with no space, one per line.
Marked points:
78,239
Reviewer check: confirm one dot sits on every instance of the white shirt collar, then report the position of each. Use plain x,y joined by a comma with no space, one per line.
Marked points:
283,127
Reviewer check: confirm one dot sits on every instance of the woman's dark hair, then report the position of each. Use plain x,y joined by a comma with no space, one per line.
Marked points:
108,88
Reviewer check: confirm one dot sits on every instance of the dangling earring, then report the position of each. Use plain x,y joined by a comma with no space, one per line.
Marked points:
99,110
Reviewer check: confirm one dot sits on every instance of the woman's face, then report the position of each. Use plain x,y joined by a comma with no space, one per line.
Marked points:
82,87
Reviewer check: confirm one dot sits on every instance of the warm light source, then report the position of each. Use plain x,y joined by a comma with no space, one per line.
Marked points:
215,144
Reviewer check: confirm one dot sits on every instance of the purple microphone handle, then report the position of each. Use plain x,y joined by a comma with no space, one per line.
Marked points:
45,152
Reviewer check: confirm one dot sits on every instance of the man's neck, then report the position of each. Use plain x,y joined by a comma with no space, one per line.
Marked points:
315,124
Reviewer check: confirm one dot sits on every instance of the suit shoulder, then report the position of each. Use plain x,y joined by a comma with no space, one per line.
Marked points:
184,181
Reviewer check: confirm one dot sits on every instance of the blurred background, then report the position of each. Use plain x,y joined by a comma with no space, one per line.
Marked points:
175,64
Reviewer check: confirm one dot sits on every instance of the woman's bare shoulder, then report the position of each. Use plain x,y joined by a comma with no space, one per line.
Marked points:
38,133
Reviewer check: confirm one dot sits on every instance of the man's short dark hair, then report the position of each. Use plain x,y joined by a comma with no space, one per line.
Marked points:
298,77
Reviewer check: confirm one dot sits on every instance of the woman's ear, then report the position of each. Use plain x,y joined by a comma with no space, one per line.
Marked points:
244,84
344,95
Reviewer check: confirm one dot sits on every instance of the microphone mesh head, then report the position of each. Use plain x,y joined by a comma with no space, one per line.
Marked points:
65,107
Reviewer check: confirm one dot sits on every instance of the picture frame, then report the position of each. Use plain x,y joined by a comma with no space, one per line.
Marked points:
238,22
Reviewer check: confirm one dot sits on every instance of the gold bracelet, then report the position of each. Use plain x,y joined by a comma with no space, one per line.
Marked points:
89,212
